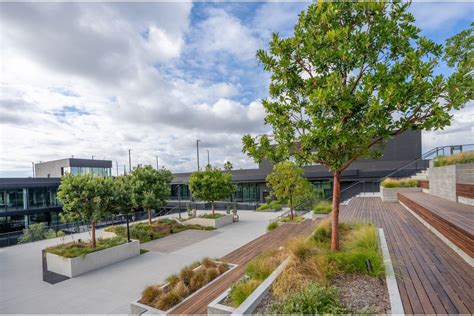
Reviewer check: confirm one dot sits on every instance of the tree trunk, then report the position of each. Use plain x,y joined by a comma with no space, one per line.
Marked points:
149,217
93,235
292,217
212,205
336,197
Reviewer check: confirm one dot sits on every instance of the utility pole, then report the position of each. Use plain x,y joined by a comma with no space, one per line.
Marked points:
129,160
124,170
156,162
116,165
92,157
197,152
33,165
208,161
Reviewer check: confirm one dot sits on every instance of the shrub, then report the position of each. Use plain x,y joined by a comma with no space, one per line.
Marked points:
323,207
167,300
240,291
53,234
172,280
322,233
272,226
150,293
300,248
198,280
296,219
313,300
399,183
81,248
181,289
186,274
461,158
211,274
272,205
222,268
262,266
33,233
211,216
206,262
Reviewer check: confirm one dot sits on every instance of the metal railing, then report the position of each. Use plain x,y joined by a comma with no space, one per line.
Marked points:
423,159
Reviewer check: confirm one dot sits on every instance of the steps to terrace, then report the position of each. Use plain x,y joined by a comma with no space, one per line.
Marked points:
454,221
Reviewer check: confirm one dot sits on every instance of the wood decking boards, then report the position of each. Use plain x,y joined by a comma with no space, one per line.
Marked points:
431,277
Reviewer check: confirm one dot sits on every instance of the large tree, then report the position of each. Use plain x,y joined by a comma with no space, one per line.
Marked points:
354,75
151,188
287,182
86,198
211,185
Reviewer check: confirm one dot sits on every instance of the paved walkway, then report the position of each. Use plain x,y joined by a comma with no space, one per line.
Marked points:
432,278
111,289
178,241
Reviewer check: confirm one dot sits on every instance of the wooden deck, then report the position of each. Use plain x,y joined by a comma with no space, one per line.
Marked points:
432,278
198,303
454,220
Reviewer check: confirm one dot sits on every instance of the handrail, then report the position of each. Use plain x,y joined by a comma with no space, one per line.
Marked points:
421,157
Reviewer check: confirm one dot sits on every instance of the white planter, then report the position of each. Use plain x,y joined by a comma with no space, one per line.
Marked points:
73,267
137,308
443,180
251,302
209,222
391,194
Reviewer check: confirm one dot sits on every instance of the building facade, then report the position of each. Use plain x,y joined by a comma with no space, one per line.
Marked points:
58,168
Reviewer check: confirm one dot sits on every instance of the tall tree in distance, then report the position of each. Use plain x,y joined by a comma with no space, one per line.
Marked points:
211,185
228,166
151,188
86,198
287,182
354,75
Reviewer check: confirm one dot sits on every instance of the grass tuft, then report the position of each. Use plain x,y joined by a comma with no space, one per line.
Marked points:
399,183
461,158
272,226
323,207
80,248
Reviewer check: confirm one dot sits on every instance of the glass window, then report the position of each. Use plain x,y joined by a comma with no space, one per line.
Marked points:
182,189
38,197
14,199
3,202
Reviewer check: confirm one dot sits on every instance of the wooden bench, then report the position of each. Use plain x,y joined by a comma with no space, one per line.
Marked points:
453,220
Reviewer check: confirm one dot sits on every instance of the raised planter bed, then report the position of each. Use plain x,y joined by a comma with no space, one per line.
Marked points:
73,267
250,305
211,222
391,194
137,308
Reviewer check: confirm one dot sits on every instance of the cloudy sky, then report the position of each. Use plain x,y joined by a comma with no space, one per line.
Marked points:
95,79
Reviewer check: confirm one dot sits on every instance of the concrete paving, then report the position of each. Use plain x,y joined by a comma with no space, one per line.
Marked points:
178,241
110,289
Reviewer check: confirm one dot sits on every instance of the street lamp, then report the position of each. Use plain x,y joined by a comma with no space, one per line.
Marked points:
197,152
129,161
156,162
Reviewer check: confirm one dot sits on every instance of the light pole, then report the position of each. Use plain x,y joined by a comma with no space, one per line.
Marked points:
116,166
197,151
92,157
179,201
129,161
208,161
156,162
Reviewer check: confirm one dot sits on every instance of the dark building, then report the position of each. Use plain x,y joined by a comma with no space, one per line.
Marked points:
58,168
251,186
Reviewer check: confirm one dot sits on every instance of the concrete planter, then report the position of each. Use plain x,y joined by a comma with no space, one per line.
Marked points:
319,216
73,267
391,194
137,308
443,180
209,222
249,305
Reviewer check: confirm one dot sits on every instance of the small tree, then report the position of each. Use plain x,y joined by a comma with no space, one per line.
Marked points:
228,166
354,75
211,185
151,188
287,182
123,198
86,198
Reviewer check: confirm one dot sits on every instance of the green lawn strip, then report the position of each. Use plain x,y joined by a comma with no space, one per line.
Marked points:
81,248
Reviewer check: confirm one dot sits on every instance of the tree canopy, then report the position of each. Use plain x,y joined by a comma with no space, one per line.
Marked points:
151,188
288,182
86,198
211,185
354,75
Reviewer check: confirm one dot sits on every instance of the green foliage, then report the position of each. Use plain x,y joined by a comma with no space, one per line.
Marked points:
240,291
263,265
211,216
272,205
272,226
151,188
399,183
211,185
322,207
123,195
308,199
296,219
81,248
150,293
313,300
36,232
228,166
198,280
461,158
287,182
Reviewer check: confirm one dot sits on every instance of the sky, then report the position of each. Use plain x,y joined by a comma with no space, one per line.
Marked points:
97,79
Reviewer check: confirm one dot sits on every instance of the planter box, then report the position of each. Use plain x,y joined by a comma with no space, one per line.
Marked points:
443,180
251,302
319,216
73,267
216,223
391,194
137,308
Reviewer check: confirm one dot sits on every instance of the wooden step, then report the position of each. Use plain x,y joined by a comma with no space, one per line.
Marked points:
453,220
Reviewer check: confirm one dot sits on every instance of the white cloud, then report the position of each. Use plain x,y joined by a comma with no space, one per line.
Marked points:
432,16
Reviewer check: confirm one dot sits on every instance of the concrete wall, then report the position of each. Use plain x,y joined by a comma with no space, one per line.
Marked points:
391,194
443,180
73,267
